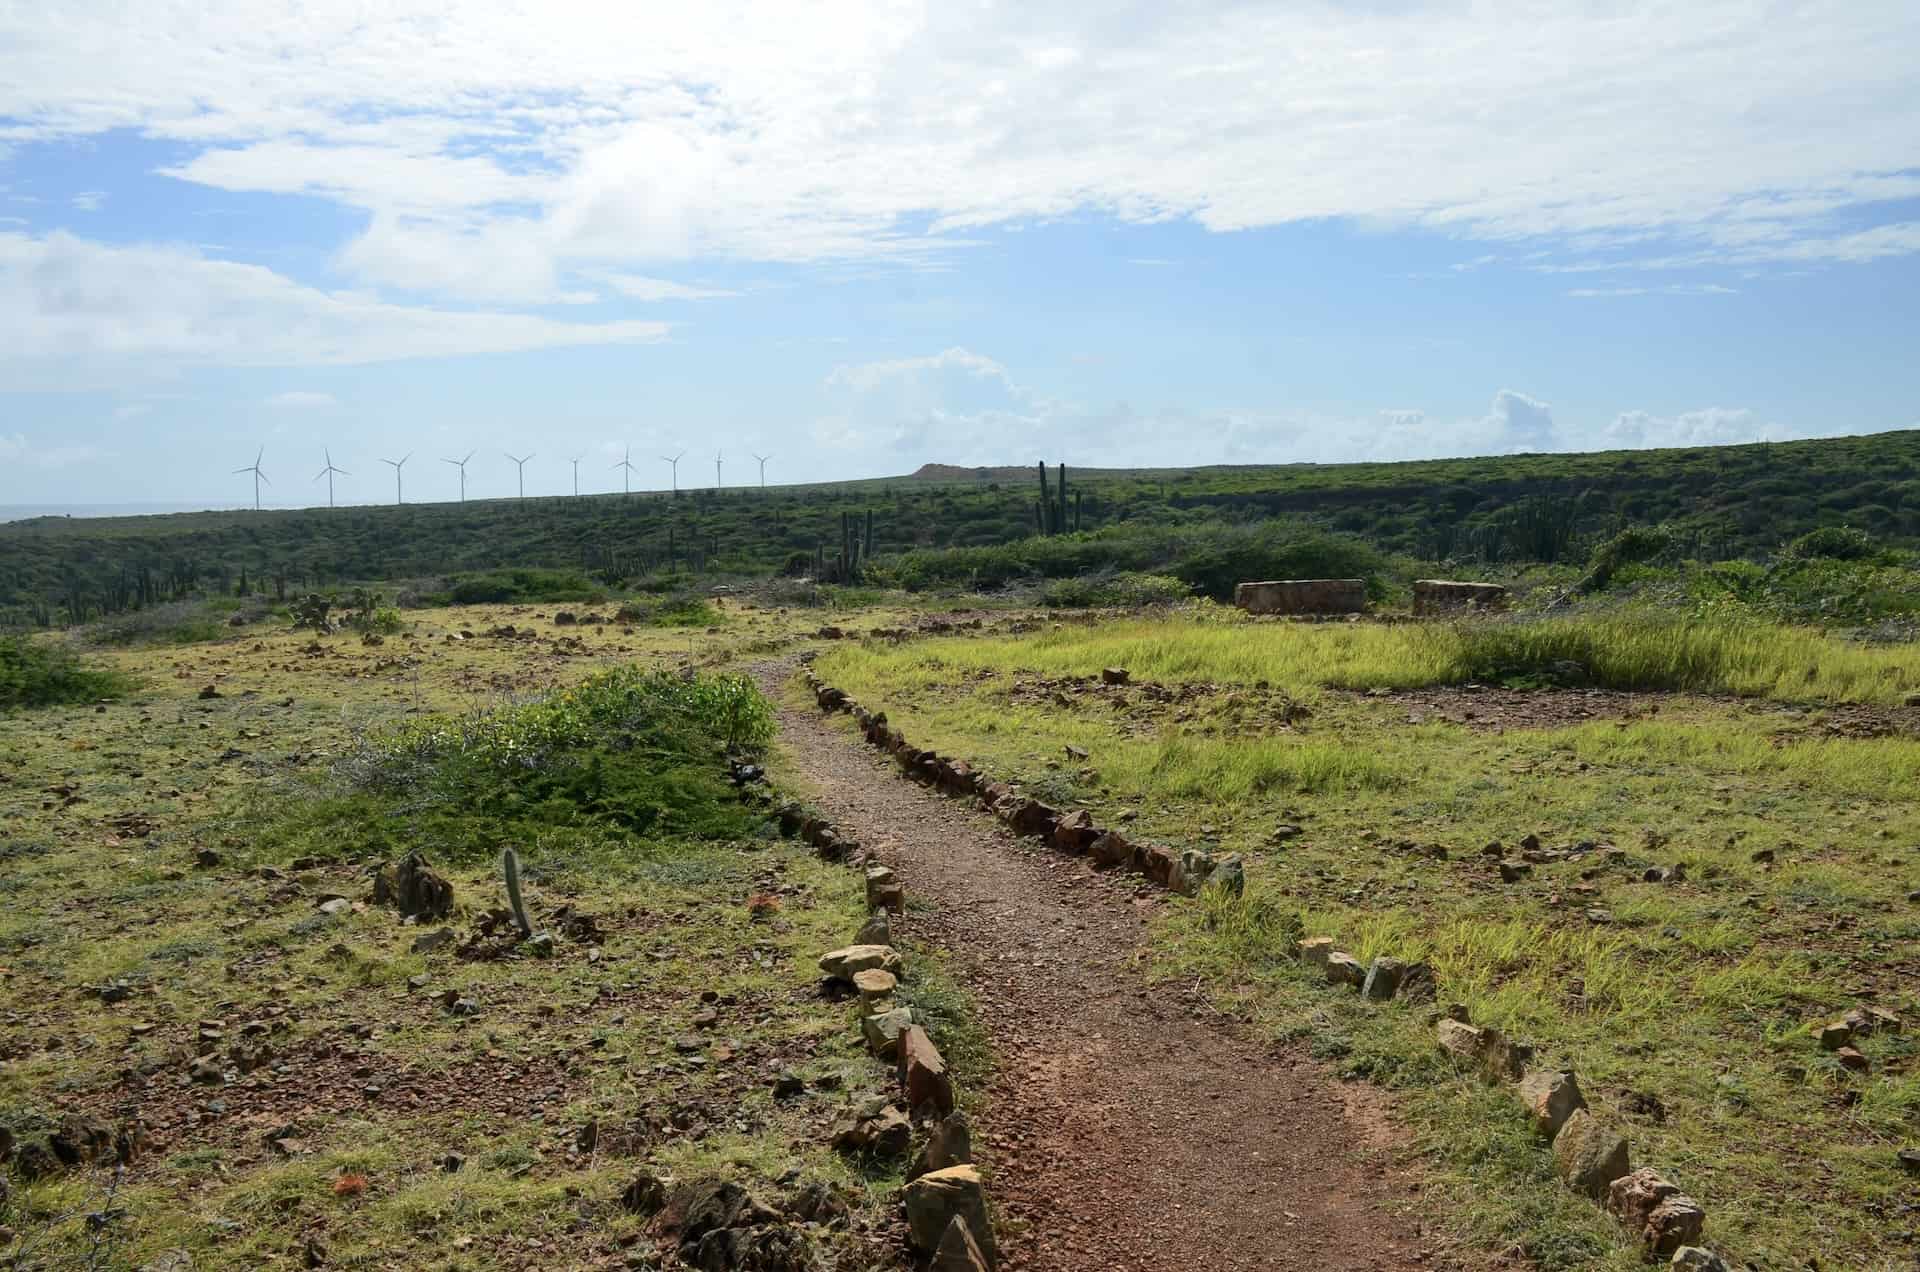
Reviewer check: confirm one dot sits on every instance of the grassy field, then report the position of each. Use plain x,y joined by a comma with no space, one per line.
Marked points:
1685,1006
165,856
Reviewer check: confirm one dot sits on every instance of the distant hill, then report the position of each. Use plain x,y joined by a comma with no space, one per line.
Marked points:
1730,500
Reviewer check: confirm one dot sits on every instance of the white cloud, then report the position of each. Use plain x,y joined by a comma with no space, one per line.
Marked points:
1150,261
497,153
89,200
1673,289
131,411
17,451
866,376
302,400
65,297
638,287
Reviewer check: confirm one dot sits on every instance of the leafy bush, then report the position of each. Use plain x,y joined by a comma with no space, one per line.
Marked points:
33,674
186,622
494,587
626,750
1834,543
1125,588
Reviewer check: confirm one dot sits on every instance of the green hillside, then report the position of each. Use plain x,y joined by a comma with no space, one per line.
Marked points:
1725,501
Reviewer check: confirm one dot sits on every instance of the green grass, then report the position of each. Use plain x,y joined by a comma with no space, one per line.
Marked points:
1622,650
1702,993
38,674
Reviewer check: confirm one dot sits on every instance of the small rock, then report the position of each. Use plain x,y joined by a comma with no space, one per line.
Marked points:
206,1071
938,1198
1551,1098
1383,979
1344,969
875,986
924,1072
949,1143
1696,1259
427,942
883,1031
1656,1211
645,1195
1852,1060
207,858
788,1084
842,964
1588,1156
1834,1036
877,930
879,1127
958,1251
1115,675
541,946
1514,871
1909,1159
335,906
452,1162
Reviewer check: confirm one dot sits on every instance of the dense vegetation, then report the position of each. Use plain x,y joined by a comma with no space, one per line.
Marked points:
1718,503
33,674
626,751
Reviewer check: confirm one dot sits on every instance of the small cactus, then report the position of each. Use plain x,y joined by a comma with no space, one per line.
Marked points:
510,867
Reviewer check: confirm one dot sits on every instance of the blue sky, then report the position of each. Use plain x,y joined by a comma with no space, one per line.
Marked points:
858,237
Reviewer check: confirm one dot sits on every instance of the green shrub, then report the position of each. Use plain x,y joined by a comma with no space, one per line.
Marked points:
1125,588
626,750
35,674
187,622
1835,543
495,587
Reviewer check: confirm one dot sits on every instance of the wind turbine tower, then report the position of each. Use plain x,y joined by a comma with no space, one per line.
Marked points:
763,468
328,473
675,461
461,464
521,464
258,476
576,475
716,469
626,471
397,465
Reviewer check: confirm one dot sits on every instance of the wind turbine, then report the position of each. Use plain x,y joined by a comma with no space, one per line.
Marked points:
626,463
763,468
521,464
716,468
576,475
461,464
328,473
258,476
675,461
397,465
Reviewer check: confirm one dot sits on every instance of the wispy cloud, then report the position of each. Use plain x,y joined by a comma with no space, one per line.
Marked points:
1671,289
301,400
89,200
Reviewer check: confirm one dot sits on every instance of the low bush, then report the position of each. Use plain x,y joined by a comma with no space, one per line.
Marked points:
36,674
1836,543
1125,588
495,587
626,750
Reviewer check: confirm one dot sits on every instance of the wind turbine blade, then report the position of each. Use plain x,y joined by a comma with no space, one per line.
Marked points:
244,470
264,477
322,473
343,472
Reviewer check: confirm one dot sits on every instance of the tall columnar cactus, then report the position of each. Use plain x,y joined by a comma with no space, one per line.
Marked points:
1060,522
1046,497
510,868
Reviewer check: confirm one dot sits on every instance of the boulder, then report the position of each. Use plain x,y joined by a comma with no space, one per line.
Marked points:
924,1072
414,889
958,1251
1031,817
1315,950
1190,871
1229,875
1483,1046
841,964
1698,1259
1655,1210
1111,850
1156,862
1302,596
1551,1097
1445,596
1115,675
938,1198
875,986
879,1127
877,930
1383,979
949,1143
1075,832
883,1031
879,880
1344,969
1588,1155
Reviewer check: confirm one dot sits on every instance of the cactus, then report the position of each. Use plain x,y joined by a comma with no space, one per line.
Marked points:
510,867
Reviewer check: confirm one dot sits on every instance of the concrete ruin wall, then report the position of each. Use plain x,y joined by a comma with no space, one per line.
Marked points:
1442,596
1302,596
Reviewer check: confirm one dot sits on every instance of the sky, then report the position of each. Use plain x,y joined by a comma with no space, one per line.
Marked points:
855,237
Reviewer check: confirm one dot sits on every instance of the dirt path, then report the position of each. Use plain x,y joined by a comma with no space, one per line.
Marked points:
1127,1128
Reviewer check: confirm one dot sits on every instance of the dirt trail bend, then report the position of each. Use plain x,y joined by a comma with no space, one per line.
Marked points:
1126,1128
